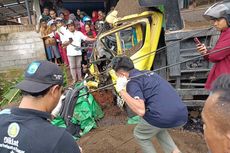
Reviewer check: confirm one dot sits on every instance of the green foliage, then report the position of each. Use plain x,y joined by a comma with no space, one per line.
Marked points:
8,92
64,69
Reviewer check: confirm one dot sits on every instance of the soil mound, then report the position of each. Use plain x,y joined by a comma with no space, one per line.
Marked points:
127,7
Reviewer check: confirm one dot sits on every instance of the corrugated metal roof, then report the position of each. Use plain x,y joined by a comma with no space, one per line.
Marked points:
11,9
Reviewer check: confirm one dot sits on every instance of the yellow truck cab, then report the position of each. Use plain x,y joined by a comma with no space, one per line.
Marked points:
140,36
136,36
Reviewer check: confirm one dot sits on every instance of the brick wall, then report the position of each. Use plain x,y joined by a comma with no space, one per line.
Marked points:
19,45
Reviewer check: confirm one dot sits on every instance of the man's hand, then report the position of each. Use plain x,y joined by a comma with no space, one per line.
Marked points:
121,83
201,48
65,44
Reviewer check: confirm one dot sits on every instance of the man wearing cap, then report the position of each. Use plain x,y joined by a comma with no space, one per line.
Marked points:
73,43
27,128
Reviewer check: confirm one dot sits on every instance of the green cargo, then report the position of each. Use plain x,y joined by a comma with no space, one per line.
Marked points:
86,112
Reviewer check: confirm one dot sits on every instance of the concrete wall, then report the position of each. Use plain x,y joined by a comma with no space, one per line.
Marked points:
19,45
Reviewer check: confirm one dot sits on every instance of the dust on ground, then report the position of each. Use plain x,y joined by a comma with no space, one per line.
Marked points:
114,136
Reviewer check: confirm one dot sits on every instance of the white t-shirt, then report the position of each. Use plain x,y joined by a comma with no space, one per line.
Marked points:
62,31
77,36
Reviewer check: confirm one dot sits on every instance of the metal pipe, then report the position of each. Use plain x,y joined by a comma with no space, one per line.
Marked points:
28,11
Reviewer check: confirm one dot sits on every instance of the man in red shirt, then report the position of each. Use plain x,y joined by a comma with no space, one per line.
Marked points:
219,13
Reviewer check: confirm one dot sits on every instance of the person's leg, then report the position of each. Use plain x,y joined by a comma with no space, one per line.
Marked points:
48,52
72,66
57,54
78,67
166,142
144,132
65,58
61,52
52,53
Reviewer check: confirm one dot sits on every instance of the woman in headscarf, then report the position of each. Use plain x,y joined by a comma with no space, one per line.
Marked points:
94,17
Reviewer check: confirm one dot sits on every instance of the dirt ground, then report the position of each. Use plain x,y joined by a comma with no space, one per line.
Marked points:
114,136
119,139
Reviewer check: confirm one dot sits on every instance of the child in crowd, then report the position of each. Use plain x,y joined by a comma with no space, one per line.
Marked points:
61,30
50,42
54,36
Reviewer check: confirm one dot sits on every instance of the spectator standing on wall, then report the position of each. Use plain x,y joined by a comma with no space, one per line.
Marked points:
74,53
219,14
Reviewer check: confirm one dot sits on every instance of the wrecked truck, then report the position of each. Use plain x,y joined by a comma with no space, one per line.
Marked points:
155,39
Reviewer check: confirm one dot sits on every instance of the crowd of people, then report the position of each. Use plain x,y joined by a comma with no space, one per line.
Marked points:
68,37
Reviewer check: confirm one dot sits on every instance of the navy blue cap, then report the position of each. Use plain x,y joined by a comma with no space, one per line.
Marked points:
39,76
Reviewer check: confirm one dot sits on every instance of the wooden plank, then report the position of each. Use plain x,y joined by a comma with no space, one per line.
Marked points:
192,103
173,56
197,91
195,70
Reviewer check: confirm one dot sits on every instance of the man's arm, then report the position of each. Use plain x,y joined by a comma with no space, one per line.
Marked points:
137,105
66,43
85,38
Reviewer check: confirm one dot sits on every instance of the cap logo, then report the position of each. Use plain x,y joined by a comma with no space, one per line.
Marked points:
57,77
13,130
33,68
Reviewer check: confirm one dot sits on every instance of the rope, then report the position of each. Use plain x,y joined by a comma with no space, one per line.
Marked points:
164,67
150,53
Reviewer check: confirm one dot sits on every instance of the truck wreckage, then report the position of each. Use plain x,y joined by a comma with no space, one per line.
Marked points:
154,39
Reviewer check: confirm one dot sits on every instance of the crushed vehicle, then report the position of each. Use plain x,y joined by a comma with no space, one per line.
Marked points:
159,39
